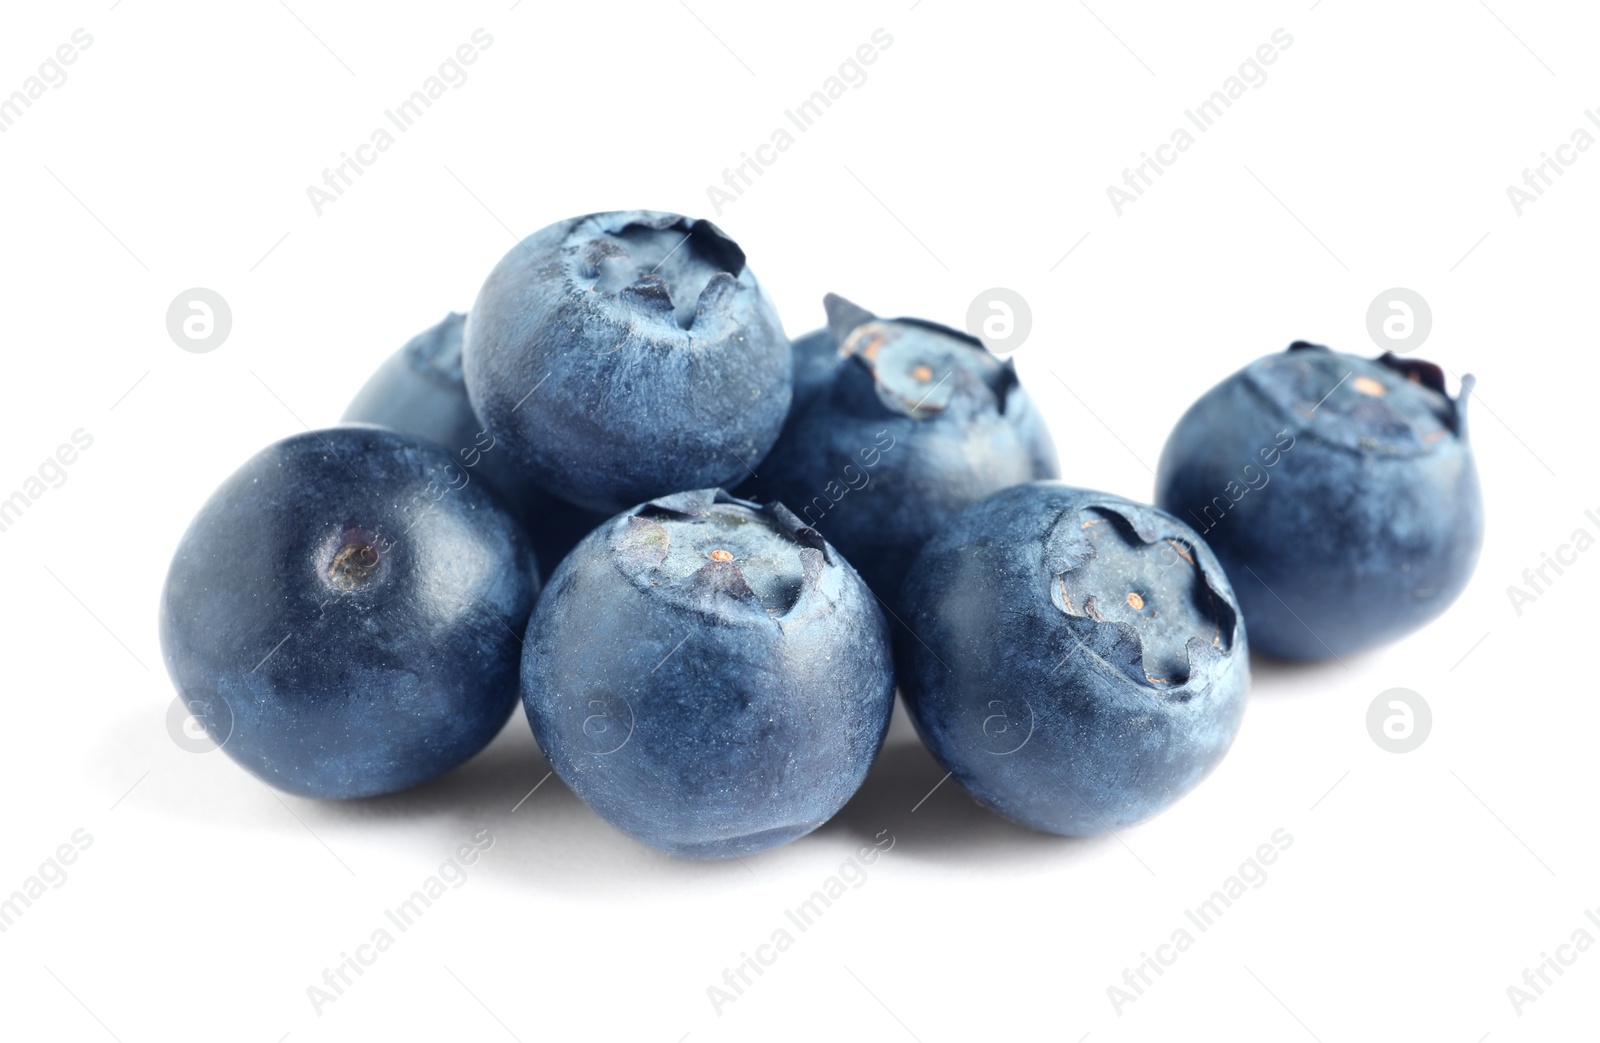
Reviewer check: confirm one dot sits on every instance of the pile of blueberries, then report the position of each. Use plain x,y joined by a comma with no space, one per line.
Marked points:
706,557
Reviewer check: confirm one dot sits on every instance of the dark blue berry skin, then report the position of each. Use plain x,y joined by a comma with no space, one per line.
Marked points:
1075,659
708,675
1339,492
419,390
894,433
627,355
342,614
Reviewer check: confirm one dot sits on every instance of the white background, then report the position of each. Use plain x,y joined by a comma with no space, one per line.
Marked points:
978,152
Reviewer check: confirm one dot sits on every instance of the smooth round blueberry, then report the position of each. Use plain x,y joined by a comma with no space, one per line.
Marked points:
350,600
708,675
1076,660
1339,492
419,390
627,355
897,425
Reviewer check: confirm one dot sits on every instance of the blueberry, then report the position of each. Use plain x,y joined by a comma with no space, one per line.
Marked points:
897,425
349,600
627,355
1074,659
710,676
1339,493
419,390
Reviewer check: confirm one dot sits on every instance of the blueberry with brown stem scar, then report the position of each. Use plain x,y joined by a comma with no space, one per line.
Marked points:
1339,492
897,425
709,675
626,355
1076,660
342,614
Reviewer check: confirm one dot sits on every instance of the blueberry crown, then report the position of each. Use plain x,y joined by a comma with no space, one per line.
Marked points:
720,554
660,266
1384,406
1136,593
917,368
